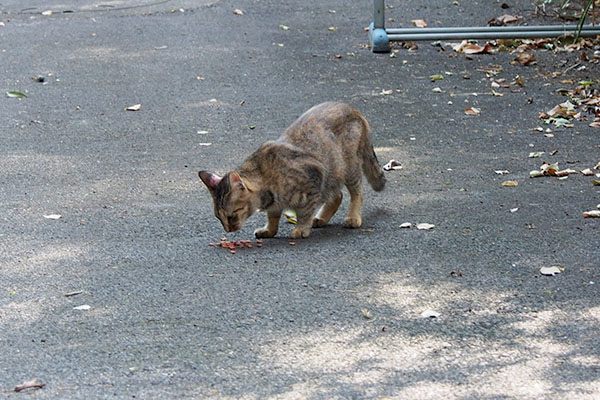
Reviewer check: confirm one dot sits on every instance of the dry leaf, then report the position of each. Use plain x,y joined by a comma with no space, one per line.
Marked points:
406,225
366,313
591,214
237,11
29,385
595,124
419,23
392,165
53,216
83,307
510,183
387,92
526,59
430,314
503,20
476,49
136,107
550,271
472,111
332,28
502,172
536,154
425,226
587,172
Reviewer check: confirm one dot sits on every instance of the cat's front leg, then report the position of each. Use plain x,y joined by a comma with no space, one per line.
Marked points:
303,225
272,226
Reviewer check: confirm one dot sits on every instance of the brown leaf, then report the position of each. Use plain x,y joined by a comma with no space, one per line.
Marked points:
472,111
419,23
136,107
503,20
526,59
510,183
29,385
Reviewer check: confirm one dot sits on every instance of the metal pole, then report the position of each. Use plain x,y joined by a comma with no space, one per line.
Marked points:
486,35
379,14
532,28
380,43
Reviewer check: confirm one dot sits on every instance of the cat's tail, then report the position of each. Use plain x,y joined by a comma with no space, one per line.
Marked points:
370,165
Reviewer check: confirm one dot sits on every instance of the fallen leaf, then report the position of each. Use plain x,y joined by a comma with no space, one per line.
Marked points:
291,216
53,216
332,28
503,20
136,107
526,59
406,225
472,111
430,314
536,154
566,172
502,172
29,385
387,92
366,313
393,165
535,174
419,23
284,27
597,166
237,11
83,307
436,77
425,226
519,81
510,183
17,95
514,210
591,214
436,90
587,172
595,124
550,271
476,49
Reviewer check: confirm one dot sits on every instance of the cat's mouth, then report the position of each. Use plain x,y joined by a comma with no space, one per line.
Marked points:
232,228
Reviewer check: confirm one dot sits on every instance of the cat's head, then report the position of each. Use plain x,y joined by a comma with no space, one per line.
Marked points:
232,200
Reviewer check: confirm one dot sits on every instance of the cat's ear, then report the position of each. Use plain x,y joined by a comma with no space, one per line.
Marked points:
234,178
210,180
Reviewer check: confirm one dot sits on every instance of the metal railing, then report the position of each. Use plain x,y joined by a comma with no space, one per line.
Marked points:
380,36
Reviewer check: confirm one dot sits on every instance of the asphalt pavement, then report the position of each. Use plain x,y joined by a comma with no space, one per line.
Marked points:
108,285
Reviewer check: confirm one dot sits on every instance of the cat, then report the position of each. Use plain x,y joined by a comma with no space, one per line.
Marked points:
326,147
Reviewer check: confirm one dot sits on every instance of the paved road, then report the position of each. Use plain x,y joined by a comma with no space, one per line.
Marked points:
338,315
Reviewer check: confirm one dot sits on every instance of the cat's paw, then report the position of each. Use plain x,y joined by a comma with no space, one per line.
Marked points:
353,222
318,223
300,232
261,233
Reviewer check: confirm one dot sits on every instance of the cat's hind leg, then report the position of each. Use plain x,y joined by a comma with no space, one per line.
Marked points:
272,226
354,218
327,211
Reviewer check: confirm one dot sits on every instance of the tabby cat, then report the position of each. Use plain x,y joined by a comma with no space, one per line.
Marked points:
304,169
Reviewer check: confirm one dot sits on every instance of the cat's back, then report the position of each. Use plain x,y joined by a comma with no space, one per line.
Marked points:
322,121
